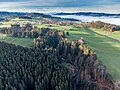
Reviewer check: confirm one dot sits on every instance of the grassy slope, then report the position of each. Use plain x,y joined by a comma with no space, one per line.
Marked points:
6,24
25,42
13,21
104,43
108,49
114,34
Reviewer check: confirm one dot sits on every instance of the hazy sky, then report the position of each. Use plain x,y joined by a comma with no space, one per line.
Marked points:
112,6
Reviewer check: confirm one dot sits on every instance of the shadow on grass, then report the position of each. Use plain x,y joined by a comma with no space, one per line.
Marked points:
105,47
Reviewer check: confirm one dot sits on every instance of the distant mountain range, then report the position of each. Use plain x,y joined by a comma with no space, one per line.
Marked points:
62,13
90,14
5,15
50,16
12,13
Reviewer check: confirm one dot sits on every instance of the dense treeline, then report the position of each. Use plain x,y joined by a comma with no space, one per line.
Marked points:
87,70
25,31
59,64
36,69
102,25
31,69
85,66
55,63
49,38
18,31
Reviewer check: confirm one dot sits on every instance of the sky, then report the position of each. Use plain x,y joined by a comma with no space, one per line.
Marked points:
109,6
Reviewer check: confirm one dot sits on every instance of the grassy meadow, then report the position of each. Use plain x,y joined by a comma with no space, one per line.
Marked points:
106,45
107,48
25,42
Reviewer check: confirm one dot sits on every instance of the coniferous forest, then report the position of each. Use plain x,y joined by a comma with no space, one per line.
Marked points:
55,63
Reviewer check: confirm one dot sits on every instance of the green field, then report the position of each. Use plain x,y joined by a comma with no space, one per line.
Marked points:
25,42
107,48
115,34
104,43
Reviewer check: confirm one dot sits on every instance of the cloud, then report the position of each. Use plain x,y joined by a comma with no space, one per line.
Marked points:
60,3
34,5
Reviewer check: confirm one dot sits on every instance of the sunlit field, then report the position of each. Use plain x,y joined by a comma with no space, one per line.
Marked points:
107,48
25,42
105,44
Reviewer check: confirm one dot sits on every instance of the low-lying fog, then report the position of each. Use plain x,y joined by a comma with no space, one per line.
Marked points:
112,20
